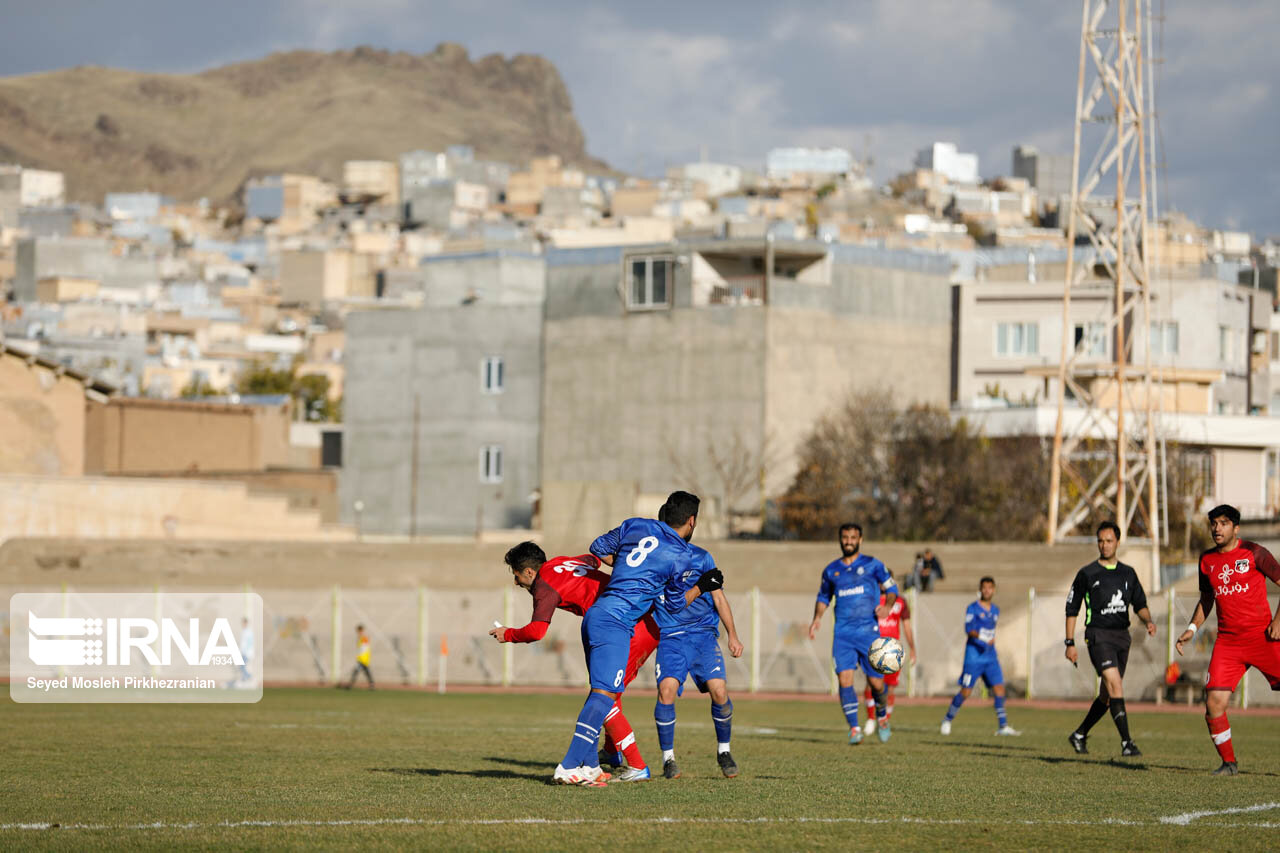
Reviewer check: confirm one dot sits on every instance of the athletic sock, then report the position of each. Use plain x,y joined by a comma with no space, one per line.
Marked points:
1001,717
1220,731
665,717
871,699
619,731
888,711
882,709
722,719
1096,710
1121,719
849,703
956,702
586,735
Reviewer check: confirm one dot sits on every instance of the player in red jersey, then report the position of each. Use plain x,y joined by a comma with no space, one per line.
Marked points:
572,584
1233,574
897,624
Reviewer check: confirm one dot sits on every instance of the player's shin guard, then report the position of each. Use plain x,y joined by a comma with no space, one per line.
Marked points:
586,735
1220,731
956,702
665,717
1096,710
1120,718
619,731
849,704
722,719
1001,717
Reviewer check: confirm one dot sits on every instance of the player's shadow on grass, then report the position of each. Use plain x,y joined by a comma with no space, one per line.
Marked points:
518,762
441,771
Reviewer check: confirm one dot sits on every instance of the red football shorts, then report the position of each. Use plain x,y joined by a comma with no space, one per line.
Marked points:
1232,655
643,643
890,679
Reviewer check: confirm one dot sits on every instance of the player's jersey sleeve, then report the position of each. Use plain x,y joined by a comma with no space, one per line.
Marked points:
1139,594
1206,589
1264,561
606,544
1075,595
885,579
906,608
827,587
545,601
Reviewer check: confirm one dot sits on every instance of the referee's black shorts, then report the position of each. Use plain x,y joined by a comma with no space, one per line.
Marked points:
1108,647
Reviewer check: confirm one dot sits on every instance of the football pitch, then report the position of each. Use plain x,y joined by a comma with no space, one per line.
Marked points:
315,768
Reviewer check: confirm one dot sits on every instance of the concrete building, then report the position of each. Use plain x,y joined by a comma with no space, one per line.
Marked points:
313,277
443,403
1050,174
371,180
80,257
65,289
34,187
292,202
944,158
719,178
420,168
446,204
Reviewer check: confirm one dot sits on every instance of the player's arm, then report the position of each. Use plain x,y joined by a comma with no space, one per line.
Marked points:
1139,605
1075,595
1267,565
545,601
890,590
974,633
726,616
607,544
1203,608
825,591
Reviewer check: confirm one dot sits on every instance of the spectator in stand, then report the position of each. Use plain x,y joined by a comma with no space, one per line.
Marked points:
930,570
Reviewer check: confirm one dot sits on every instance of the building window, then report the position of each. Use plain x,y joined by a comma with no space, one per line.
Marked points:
491,374
1091,339
1225,352
1164,338
649,281
1017,338
491,463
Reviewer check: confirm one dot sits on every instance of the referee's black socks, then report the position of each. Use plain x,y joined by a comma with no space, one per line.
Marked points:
1120,718
1096,710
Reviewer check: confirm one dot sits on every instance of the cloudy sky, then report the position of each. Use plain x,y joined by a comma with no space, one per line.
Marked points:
653,82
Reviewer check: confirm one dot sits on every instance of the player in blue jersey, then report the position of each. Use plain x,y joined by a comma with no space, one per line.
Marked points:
980,660
649,558
687,645
856,582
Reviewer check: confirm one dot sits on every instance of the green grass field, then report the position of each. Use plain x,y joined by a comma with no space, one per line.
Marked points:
329,769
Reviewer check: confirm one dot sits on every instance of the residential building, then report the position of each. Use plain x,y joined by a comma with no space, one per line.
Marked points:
1050,174
292,202
81,257
371,180
807,162
419,169
447,204
718,178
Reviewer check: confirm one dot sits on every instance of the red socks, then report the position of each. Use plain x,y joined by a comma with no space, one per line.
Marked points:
1220,731
619,731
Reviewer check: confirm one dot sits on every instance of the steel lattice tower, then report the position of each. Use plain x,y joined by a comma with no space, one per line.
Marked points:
1104,445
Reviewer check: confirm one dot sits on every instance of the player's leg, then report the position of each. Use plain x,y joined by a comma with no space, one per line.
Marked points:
994,679
846,663
607,645
707,669
671,668
878,691
1114,678
368,674
1078,738
618,731
1226,667
968,678
870,700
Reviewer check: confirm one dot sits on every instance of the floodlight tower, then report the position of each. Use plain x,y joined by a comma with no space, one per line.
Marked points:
1104,443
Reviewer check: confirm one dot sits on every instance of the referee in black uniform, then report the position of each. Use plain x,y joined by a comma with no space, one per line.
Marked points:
1107,588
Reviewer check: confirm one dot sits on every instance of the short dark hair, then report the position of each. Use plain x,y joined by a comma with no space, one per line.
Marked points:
987,579
849,525
360,627
1108,525
1226,511
526,555
679,508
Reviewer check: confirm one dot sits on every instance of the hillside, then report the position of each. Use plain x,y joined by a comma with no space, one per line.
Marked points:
193,135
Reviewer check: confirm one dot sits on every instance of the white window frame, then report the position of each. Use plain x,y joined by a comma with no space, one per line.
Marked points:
1164,337
1016,339
648,303
491,463
492,375
1095,336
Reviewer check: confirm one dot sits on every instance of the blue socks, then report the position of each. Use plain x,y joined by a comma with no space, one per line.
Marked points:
849,703
665,717
882,709
1001,717
722,719
956,702
586,736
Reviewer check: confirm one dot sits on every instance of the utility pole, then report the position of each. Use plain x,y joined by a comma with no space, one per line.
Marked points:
1104,444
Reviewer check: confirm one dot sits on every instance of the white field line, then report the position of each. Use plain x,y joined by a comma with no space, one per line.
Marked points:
536,821
1184,819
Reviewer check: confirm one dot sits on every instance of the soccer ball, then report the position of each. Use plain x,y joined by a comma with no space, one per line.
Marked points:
886,655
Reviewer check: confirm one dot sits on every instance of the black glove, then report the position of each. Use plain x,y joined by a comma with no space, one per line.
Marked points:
710,581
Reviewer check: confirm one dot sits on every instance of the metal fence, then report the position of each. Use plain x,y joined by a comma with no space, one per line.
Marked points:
439,638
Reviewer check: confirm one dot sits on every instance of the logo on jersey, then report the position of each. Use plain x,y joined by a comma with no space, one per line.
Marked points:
856,590
1115,605
1224,576
1242,566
